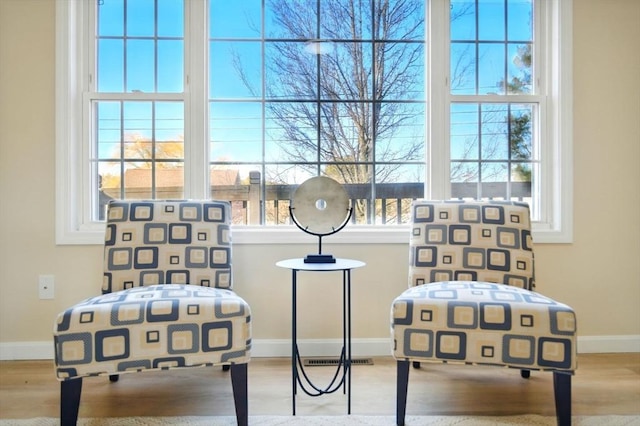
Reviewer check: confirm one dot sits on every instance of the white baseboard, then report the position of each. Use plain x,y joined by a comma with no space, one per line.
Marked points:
263,348
26,350
608,344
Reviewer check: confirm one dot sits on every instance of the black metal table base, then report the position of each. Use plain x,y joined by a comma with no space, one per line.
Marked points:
342,376
337,381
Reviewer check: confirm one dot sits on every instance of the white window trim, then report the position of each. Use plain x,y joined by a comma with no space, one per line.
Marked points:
71,77
559,19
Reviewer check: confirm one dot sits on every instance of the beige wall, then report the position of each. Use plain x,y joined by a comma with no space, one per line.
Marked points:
598,274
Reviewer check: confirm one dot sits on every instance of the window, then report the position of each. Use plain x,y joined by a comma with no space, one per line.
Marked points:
307,94
494,101
244,100
136,101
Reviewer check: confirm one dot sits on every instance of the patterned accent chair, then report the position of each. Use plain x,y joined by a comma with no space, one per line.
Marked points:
167,301
470,298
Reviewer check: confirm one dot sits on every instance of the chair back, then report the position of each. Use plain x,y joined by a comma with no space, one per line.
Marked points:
471,241
167,242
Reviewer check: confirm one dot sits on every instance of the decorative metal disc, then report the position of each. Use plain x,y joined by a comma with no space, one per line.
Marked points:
320,205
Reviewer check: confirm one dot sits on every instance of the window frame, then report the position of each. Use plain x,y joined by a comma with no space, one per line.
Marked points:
73,224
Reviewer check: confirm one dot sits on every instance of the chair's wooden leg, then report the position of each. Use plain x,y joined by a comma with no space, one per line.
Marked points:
240,394
402,382
70,391
562,390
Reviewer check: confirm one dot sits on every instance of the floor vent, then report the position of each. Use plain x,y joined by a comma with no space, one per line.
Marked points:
328,362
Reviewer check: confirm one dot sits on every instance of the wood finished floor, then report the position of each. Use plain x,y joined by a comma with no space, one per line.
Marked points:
603,384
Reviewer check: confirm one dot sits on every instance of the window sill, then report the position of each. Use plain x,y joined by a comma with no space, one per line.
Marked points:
290,235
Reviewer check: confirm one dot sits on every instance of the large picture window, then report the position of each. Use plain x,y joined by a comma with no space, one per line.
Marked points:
243,101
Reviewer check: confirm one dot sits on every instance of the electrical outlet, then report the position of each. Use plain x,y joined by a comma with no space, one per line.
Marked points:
46,286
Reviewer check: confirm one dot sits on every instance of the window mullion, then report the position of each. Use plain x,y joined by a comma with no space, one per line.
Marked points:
196,138
438,104
500,99
89,84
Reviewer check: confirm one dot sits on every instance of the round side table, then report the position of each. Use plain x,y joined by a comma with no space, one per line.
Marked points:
342,378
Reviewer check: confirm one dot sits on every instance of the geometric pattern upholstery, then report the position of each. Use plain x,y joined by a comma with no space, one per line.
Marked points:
167,299
471,241
470,298
160,326
173,242
149,244
484,323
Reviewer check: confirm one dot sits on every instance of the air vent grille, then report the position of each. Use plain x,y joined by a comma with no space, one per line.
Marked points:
327,362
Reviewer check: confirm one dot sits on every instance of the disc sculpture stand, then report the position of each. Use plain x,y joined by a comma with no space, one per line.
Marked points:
320,207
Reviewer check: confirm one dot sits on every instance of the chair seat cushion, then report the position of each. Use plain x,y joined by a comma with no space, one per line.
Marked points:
154,327
483,323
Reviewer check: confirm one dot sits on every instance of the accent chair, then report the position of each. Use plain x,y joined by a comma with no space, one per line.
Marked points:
471,301
166,303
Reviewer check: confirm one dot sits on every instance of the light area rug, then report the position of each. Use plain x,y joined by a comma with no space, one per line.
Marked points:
353,420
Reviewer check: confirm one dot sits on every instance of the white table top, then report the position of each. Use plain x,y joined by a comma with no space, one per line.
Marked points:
340,265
